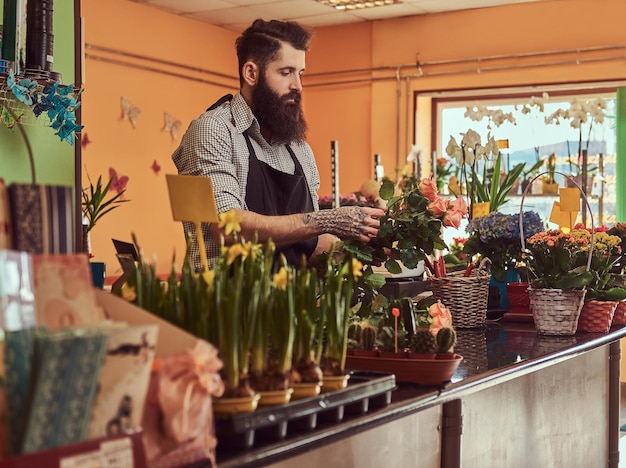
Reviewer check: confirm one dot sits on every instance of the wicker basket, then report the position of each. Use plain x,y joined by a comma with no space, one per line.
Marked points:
596,316
619,318
465,296
556,311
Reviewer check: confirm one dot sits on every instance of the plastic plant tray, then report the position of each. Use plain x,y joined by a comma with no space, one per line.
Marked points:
365,390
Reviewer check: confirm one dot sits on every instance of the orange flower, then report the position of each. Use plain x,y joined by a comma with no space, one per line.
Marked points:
428,188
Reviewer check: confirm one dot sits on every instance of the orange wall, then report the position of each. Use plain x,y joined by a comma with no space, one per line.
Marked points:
367,116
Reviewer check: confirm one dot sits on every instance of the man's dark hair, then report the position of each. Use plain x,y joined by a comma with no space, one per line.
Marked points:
261,42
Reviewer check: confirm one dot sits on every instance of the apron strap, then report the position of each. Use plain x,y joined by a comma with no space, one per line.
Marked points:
220,101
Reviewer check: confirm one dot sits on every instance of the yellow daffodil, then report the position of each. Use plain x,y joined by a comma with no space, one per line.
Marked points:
357,268
128,292
279,280
209,277
230,221
234,251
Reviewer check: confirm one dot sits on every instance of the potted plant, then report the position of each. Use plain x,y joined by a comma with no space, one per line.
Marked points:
549,185
497,237
96,202
557,281
306,374
606,289
410,230
335,297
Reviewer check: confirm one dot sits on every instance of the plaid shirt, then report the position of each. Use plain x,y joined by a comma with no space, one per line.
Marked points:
214,146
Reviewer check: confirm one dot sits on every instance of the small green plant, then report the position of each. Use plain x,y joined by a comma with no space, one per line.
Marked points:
446,339
95,203
423,341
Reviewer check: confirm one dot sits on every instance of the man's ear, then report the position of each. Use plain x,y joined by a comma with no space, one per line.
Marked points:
250,72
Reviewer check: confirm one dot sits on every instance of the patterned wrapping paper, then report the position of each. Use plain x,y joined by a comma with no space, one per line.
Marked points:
42,218
64,295
69,364
19,349
5,217
124,380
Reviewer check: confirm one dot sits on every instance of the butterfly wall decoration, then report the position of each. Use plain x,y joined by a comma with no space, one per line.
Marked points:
118,183
156,167
84,140
172,126
130,112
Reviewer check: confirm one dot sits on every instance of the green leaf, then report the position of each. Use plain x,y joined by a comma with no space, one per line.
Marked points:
387,189
393,266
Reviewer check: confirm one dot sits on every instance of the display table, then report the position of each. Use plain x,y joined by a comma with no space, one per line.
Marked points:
517,399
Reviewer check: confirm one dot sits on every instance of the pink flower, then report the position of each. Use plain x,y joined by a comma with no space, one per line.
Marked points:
440,316
438,207
429,188
457,210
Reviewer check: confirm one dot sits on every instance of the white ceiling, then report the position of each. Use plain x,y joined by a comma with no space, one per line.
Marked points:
239,14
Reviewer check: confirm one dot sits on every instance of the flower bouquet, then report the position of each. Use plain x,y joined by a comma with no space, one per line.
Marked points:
557,281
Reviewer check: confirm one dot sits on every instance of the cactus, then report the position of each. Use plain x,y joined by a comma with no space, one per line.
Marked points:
354,332
368,336
423,341
446,339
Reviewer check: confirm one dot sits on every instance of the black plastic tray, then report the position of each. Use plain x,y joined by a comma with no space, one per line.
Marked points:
365,390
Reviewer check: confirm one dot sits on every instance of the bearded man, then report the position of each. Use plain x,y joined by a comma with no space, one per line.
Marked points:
253,147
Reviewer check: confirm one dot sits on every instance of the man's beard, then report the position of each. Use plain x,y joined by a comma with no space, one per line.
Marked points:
285,120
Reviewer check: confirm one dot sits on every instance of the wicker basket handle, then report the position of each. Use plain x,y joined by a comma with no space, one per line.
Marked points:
587,205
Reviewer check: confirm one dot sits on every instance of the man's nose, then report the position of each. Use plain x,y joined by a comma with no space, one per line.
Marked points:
296,83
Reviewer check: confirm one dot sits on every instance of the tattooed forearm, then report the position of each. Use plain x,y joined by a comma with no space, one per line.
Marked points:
344,222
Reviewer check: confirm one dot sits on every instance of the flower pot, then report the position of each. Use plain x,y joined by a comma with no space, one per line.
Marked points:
549,188
445,356
499,279
277,397
596,316
556,311
619,317
230,406
306,390
419,371
422,356
98,273
335,382
365,352
392,354
517,293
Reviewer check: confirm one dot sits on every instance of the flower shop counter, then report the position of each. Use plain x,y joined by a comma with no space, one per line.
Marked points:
517,399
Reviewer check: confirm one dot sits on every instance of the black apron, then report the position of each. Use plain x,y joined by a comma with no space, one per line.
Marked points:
273,193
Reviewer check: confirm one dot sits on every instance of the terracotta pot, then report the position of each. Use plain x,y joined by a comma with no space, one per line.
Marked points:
392,354
619,317
419,371
445,356
412,355
365,352
596,316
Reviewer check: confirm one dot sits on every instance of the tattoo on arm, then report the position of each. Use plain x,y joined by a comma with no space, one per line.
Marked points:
344,222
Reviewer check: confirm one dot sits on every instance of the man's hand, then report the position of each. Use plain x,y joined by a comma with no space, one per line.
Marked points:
347,222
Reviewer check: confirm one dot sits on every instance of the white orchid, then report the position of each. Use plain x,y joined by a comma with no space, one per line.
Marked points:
454,151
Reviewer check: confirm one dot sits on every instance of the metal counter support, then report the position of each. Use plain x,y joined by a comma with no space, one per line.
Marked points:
451,430
614,403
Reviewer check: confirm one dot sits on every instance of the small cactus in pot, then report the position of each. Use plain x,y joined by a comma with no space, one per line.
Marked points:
423,342
446,339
